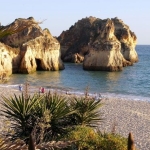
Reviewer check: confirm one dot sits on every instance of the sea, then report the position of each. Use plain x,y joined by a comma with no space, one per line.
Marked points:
133,82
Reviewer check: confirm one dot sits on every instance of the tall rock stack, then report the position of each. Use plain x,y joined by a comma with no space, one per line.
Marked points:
100,44
29,50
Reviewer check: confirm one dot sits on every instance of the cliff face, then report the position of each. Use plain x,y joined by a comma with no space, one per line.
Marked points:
102,44
8,55
28,33
127,39
37,49
42,53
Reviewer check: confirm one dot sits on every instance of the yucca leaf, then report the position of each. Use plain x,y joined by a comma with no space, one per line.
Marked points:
87,111
20,110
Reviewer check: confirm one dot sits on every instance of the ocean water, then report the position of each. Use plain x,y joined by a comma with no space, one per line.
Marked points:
133,82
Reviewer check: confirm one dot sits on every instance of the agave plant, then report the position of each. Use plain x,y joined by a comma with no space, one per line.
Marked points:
54,116
20,111
87,111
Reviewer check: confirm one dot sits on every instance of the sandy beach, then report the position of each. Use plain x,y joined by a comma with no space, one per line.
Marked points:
126,115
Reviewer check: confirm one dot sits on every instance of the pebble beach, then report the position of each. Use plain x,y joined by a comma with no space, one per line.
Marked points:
127,116
123,114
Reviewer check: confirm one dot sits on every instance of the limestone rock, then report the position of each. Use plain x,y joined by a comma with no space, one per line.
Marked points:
37,50
77,58
42,53
29,33
127,39
103,44
76,39
8,55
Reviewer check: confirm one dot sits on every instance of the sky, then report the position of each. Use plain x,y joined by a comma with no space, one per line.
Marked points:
59,15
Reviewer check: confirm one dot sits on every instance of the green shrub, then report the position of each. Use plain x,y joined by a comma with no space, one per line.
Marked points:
84,138
113,142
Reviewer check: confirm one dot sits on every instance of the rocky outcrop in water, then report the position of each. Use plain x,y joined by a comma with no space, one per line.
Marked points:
29,50
100,44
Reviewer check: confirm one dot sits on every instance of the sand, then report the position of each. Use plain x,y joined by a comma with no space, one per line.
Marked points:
123,114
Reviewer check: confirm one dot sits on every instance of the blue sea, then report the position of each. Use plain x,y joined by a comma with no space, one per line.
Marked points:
133,82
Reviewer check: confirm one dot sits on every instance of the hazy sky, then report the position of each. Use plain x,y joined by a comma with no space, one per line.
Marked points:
61,14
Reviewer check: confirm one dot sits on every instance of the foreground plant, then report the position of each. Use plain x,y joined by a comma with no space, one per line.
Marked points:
113,142
54,116
51,116
90,139
7,144
84,138
131,145
87,111
20,111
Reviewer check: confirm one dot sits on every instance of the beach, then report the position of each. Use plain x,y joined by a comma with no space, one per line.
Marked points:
119,114
127,116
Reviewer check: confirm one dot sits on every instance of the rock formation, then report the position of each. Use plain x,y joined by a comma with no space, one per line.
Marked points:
29,50
100,44
7,54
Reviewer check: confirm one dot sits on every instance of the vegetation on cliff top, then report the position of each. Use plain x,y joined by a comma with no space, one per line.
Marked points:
17,26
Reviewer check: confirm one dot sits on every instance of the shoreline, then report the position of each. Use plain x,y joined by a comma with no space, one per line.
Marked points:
127,115
35,89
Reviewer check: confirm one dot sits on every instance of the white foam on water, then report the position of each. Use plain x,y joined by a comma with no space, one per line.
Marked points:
9,86
35,89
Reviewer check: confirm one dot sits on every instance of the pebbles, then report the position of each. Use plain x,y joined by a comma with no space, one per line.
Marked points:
127,116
